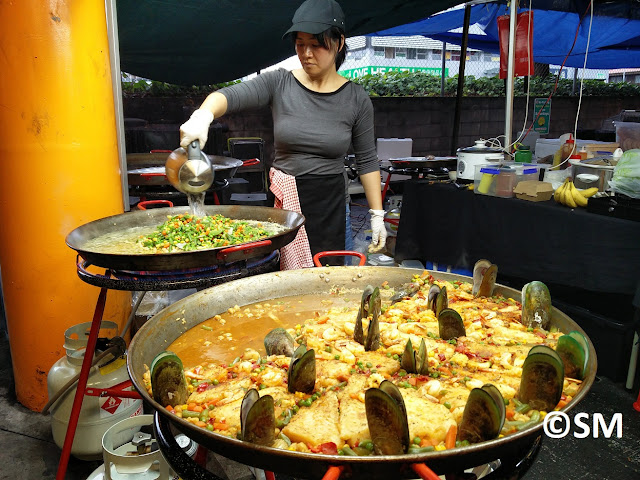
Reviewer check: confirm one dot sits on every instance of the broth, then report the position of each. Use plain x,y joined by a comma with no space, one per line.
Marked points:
247,327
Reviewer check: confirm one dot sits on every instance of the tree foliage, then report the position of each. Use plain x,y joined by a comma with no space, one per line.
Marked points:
421,84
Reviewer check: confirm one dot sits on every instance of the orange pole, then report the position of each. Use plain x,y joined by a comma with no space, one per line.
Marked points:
60,169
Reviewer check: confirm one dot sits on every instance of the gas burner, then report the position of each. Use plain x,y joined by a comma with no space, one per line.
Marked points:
178,279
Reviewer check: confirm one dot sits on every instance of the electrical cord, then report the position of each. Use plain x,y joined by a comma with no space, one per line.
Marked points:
555,87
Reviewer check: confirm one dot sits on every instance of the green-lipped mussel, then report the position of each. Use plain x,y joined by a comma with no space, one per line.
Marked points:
370,306
485,274
302,371
415,362
573,349
279,342
536,305
168,383
542,378
257,418
387,419
406,290
450,324
483,415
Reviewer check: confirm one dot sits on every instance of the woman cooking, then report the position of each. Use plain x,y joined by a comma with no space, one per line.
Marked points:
317,116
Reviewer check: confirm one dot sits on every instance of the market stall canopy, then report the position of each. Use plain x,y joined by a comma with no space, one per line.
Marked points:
201,42
614,41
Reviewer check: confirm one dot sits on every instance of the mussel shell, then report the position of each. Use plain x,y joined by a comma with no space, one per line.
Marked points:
387,420
392,389
450,324
422,359
482,418
479,268
573,355
372,342
408,361
257,418
542,379
536,305
279,342
488,282
302,371
168,383
407,290
434,290
442,301
363,312
499,399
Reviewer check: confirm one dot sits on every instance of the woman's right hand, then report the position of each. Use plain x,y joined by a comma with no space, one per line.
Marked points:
196,128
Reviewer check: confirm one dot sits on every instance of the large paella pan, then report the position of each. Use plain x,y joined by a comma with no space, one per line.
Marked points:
170,324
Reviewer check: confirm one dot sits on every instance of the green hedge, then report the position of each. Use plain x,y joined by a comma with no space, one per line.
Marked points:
412,84
420,84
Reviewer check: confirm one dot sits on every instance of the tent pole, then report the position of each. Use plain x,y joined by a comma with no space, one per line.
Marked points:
463,61
508,118
444,65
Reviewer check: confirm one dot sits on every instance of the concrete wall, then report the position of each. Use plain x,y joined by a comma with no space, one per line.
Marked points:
427,120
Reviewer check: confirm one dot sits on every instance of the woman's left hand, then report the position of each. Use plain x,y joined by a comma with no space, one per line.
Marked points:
378,231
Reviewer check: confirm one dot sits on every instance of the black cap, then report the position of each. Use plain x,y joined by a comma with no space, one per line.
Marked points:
316,16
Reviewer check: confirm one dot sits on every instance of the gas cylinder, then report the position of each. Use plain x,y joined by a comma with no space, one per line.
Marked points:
394,216
98,414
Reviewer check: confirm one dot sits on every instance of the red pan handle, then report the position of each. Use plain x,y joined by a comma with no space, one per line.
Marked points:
154,203
160,151
153,174
269,475
338,253
424,472
246,248
333,472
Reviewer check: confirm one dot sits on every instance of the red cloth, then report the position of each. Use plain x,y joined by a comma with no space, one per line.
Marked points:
296,254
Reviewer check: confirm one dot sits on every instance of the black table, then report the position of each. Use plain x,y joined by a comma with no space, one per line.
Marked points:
590,262
536,240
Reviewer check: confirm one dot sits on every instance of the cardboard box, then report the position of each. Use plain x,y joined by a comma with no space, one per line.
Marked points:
533,190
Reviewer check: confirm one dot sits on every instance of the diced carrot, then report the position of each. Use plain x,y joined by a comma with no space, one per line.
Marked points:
450,439
385,283
200,424
354,396
510,413
220,426
323,319
427,442
191,406
561,404
412,381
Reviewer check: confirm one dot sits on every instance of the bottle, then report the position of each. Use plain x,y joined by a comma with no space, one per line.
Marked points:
567,150
583,153
523,154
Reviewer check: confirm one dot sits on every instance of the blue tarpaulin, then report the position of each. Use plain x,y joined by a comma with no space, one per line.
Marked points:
614,42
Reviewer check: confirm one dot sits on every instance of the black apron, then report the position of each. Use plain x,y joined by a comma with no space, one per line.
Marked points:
322,201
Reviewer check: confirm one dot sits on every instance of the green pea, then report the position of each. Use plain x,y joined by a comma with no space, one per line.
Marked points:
417,440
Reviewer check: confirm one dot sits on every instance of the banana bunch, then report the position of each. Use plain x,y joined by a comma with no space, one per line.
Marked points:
567,194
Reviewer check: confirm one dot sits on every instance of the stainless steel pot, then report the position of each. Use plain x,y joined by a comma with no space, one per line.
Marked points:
161,330
478,154
593,172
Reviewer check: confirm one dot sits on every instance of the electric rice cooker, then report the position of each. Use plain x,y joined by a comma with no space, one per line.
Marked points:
478,154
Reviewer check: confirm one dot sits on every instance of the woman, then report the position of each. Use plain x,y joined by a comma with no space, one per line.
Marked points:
317,116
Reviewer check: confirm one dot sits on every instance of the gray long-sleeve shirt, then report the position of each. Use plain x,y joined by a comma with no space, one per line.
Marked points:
312,131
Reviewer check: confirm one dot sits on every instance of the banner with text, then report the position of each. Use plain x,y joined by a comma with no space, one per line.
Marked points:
375,70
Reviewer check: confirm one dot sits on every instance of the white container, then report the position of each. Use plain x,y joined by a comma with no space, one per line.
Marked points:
479,154
97,414
394,148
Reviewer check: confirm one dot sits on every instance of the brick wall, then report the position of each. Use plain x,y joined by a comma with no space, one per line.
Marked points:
427,120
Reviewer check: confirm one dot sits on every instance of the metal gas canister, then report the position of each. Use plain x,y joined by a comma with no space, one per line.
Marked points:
98,414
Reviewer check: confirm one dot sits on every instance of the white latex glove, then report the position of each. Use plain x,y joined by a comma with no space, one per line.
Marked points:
196,128
378,231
